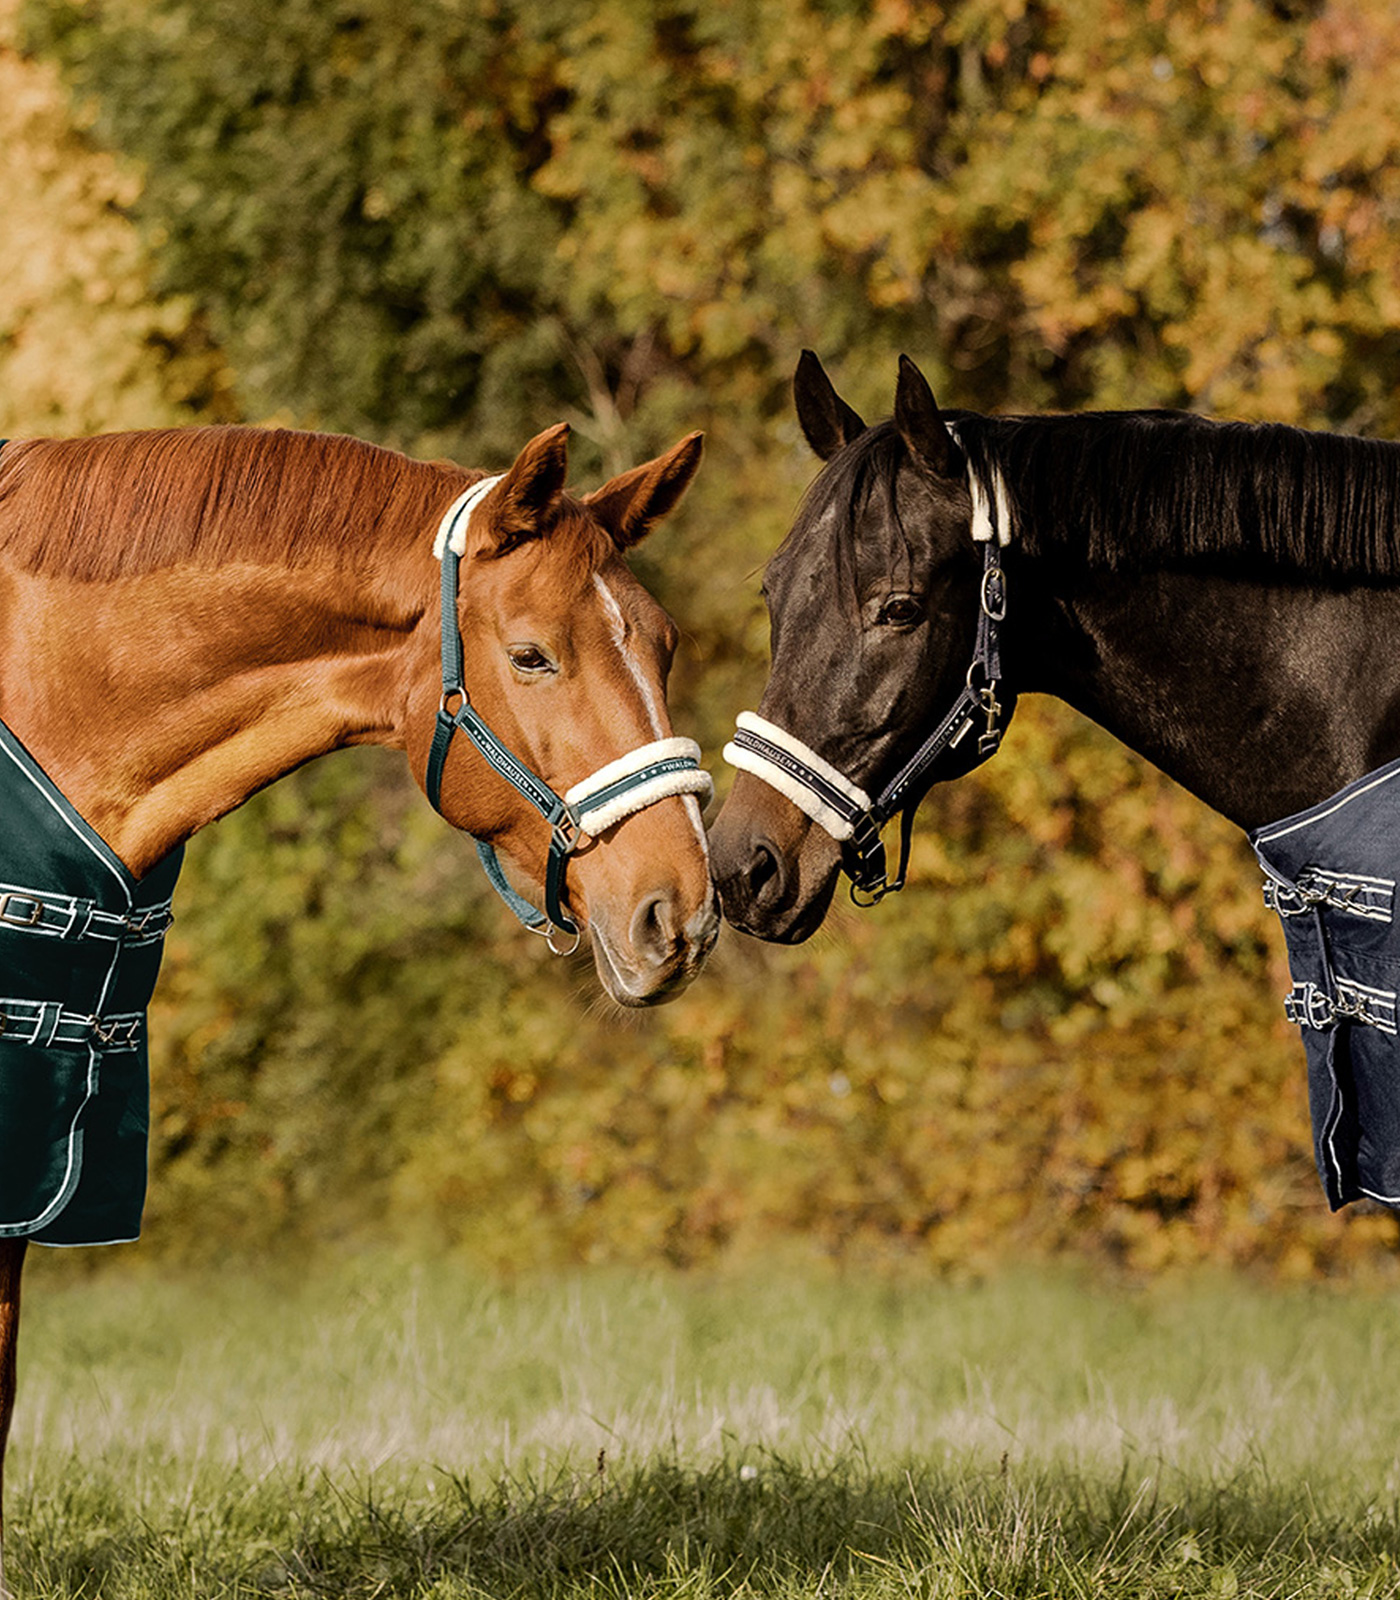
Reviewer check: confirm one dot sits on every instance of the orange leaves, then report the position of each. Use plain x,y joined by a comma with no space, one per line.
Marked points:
82,344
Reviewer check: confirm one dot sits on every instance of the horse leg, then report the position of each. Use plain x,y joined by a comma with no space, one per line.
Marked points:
11,1265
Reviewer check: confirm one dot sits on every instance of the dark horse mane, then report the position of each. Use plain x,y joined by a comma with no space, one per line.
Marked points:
1142,490
123,504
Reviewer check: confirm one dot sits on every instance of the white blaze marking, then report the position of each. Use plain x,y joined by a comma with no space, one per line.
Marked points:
619,633
692,810
658,726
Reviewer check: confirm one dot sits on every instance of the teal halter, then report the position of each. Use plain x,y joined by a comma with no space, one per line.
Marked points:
638,779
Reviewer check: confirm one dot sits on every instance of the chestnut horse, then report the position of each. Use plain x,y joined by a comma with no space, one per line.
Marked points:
187,615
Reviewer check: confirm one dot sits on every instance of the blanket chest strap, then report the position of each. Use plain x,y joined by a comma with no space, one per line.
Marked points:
61,916
45,1023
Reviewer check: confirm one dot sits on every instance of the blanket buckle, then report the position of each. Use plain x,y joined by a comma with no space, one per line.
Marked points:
28,918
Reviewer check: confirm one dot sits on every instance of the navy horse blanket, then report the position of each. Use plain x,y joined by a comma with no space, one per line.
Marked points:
1330,873
80,946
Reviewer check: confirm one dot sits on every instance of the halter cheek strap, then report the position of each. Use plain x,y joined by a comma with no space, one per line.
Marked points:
633,781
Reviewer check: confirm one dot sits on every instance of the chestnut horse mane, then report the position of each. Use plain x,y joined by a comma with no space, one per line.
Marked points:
123,504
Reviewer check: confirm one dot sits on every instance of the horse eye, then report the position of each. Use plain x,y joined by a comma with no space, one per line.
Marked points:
900,610
529,658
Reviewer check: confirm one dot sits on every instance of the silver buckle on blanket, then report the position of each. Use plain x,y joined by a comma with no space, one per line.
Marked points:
14,919
1356,896
1310,1006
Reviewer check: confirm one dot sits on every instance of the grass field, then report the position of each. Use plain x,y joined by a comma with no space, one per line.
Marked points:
375,1429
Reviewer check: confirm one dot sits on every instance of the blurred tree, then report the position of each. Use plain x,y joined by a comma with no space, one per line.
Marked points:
1110,203
445,226
82,343
430,223
347,189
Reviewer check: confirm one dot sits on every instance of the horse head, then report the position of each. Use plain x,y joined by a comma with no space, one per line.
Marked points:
565,657
875,600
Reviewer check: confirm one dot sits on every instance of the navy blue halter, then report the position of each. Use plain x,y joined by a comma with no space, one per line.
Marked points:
842,807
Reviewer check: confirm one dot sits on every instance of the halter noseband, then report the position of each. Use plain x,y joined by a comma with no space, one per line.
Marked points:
842,807
638,779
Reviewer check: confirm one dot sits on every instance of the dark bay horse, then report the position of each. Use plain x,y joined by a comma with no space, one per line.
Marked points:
1223,597
187,615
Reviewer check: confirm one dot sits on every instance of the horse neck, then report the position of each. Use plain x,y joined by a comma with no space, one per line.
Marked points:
1260,698
159,702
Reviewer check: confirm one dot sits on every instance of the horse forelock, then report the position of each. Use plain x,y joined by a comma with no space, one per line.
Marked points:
120,505
834,516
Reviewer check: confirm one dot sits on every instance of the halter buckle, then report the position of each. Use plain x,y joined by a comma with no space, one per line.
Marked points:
875,856
565,834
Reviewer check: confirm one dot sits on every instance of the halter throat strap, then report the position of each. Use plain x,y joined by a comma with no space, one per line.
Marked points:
842,807
632,782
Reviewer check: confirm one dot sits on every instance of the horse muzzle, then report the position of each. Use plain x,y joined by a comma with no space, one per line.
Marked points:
775,871
659,950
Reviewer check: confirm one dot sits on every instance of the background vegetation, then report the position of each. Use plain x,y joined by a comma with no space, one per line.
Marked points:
446,226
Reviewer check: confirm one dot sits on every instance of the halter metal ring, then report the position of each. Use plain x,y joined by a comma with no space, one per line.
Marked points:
458,692
561,950
549,932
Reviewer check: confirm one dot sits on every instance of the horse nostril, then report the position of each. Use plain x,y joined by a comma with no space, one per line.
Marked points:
654,928
765,874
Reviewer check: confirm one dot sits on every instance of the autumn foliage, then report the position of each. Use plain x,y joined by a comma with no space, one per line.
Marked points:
445,227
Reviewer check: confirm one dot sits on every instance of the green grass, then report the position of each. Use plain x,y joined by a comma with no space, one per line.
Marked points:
374,1429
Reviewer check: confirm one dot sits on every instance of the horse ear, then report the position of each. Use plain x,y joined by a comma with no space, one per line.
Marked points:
921,424
630,505
521,502
827,421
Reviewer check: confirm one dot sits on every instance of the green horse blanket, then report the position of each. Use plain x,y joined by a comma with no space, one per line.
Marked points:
80,946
